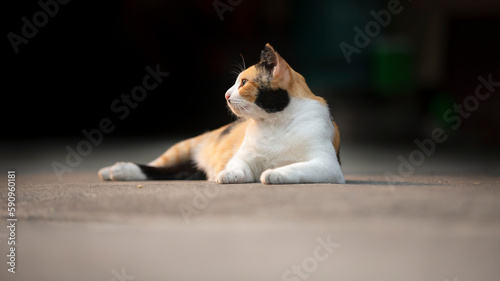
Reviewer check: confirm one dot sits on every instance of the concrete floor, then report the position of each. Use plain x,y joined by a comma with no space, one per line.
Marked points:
440,223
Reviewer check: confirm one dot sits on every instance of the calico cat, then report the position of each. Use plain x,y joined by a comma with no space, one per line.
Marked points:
284,134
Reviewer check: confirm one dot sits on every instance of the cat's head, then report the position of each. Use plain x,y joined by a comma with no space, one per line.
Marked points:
266,87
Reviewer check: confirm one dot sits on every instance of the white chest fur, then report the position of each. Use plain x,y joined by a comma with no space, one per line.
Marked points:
300,133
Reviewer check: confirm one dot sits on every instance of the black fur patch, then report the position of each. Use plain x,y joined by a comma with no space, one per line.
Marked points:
272,100
186,171
268,60
265,68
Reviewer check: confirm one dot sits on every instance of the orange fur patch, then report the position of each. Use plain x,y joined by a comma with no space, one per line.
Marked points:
219,150
249,91
298,88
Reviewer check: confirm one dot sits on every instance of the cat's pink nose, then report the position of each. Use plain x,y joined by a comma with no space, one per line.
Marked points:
228,95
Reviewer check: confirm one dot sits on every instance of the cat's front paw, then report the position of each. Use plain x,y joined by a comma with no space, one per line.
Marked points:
277,177
230,176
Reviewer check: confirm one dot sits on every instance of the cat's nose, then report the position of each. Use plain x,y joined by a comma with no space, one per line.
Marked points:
228,95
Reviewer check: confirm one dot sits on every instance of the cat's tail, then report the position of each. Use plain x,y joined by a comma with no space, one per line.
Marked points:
175,164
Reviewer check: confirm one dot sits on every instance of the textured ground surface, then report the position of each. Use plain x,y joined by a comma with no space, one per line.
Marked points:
442,222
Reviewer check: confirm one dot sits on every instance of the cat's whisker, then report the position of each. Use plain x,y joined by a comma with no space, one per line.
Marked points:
235,72
242,107
243,61
239,67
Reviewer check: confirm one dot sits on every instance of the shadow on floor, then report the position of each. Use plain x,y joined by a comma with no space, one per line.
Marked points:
371,182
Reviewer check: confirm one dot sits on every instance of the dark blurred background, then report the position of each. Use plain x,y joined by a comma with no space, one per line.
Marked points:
396,89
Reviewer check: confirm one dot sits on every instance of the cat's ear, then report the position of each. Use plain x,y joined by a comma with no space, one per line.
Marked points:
274,63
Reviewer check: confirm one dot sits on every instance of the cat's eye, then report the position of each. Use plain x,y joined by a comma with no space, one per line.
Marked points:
243,82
